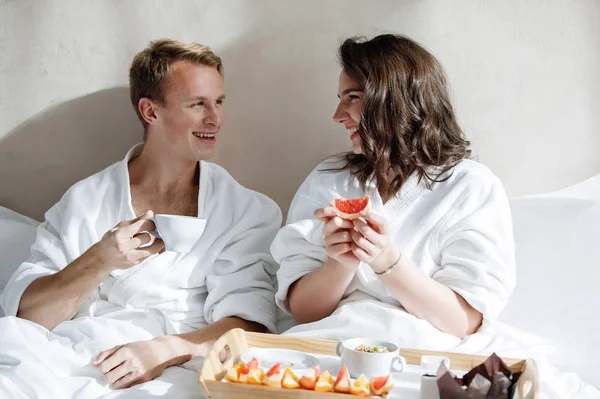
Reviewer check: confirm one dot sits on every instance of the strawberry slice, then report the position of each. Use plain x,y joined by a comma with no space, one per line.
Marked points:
276,369
309,380
273,376
343,381
253,364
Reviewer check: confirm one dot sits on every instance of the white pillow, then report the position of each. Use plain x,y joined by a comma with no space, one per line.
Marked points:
558,274
17,234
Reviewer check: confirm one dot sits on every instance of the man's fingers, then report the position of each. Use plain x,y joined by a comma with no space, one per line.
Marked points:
143,239
138,227
105,354
126,381
156,247
117,373
111,361
146,215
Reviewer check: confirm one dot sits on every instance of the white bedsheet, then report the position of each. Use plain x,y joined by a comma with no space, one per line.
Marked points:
392,324
35,363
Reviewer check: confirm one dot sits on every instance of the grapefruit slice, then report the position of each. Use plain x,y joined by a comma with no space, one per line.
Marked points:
273,376
349,208
324,383
381,385
360,387
289,380
309,380
246,368
255,376
343,381
233,374
388,386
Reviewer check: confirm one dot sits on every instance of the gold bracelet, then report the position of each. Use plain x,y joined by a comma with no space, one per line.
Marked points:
389,269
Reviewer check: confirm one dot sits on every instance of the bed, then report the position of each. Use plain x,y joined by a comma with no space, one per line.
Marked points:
551,316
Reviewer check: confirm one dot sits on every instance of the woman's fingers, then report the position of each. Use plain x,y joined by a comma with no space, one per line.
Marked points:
364,244
336,250
325,214
338,237
335,224
376,221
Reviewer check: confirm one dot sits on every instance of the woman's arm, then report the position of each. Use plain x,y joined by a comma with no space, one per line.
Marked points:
317,294
420,295
427,299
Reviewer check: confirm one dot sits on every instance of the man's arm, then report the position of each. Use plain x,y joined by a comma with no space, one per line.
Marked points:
137,362
52,299
240,295
183,347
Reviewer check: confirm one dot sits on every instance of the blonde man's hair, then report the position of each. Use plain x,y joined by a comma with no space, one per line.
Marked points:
153,65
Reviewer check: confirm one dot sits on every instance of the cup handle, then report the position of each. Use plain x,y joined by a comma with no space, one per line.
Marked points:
338,349
155,231
398,363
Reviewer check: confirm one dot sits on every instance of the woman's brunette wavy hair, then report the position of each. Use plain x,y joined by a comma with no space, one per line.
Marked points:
407,121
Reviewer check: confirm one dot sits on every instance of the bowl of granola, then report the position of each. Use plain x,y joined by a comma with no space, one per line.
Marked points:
373,358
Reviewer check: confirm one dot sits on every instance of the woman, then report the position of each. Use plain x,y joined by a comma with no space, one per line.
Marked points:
438,242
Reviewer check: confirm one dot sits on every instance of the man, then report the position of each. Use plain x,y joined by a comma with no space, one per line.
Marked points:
145,308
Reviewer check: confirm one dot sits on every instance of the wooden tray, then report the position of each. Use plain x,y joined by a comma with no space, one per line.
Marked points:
237,341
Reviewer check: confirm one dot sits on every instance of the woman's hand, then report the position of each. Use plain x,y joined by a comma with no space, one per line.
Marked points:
371,242
338,240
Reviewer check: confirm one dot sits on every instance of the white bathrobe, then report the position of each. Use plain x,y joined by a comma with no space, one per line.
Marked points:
459,233
229,272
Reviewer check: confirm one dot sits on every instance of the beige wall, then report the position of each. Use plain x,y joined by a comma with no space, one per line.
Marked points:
525,78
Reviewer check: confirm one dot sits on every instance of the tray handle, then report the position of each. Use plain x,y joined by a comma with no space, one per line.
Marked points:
528,383
234,344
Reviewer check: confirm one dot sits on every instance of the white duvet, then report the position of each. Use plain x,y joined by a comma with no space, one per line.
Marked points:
35,363
376,320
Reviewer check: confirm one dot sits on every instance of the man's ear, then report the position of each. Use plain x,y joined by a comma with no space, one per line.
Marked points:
147,109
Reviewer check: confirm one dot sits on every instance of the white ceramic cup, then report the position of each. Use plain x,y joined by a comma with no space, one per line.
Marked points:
429,367
179,233
430,364
375,364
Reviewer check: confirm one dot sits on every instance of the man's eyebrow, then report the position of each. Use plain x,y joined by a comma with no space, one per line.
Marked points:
221,97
